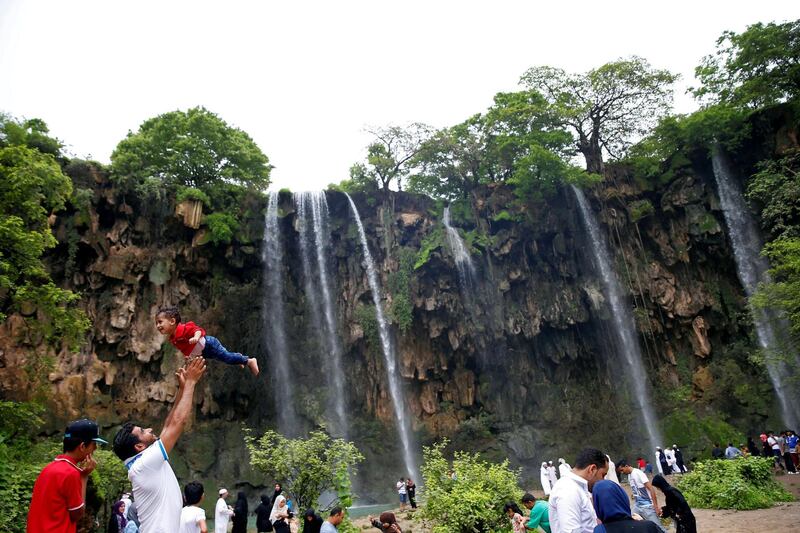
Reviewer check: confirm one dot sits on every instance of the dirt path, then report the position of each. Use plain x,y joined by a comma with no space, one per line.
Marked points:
782,517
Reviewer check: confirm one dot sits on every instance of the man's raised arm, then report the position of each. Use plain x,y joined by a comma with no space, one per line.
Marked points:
182,410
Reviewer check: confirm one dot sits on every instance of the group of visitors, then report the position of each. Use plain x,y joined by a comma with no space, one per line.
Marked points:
670,460
588,498
782,446
547,473
407,491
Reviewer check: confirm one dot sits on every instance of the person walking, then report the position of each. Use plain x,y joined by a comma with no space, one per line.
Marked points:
117,520
193,517
645,501
544,478
679,459
331,524
402,492
570,506
793,443
551,474
312,522
661,462
538,517
614,511
240,513
411,489
676,506
59,492
222,512
263,525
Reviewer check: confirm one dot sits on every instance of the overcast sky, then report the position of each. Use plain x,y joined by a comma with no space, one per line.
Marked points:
304,78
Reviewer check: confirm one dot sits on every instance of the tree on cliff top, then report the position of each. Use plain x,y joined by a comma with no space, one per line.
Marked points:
194,148
755,68
608,107
390,155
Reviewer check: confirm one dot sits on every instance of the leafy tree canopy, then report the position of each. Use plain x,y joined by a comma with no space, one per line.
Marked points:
32,133
194,148
389,156
755,68
606,108
304,467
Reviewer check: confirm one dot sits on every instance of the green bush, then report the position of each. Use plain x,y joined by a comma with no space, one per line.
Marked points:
191,193
431,242
401,310
640,209
222,227
470,500
741,484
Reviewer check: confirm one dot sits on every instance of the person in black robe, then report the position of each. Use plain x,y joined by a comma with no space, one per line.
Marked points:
240,514
411,489
312,522
679,459
752,448
263,525
676,507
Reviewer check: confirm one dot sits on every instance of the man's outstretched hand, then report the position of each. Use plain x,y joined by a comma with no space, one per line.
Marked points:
193,371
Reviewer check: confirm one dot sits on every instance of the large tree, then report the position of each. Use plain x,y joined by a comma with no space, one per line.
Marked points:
607,108
758,67
195,148
390,154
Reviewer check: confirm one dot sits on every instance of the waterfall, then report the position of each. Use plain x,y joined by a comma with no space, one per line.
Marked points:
627,344
466,269
318,284
388,351
275,321
752,268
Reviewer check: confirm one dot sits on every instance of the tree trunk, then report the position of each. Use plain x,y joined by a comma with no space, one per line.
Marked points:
590,148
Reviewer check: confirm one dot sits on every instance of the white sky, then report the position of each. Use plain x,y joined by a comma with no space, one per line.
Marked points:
304,78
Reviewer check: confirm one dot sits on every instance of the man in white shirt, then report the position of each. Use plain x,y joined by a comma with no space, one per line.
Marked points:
570,506
193,517
645,501
222,513
155,487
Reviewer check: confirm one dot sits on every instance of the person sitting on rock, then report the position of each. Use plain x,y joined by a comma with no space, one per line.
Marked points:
192,340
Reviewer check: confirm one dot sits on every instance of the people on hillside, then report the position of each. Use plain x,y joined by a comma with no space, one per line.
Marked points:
312,522
514,514
59,492
544,478
786,454
732,452
679,459
192,340
117,520
563,467
263,524
146,456
193,517
331,524
240,513
411,489
538,517
793,443
645,501
222,512
614,511
669,454
280,515
570,506
386,522
675,506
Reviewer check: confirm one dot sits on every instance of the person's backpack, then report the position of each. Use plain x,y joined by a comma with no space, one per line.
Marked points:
131,528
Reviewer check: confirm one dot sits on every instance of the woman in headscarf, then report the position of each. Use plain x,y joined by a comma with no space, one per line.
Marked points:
240,514
387,523
614,510
117,522
280,515
676,506
544,478
262,512
312,522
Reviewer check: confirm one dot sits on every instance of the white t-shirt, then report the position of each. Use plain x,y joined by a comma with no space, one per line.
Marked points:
401,487
570,506
190,519
637,479
156,490
222,515
773,442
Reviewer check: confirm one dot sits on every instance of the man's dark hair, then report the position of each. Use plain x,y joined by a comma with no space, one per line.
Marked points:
70,443
591,456
730,444
125,441
170,312
193,492
528,497
336,511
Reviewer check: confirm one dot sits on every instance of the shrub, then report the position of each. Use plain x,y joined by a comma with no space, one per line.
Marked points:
640,209
741,484
191,193
222,227
470,500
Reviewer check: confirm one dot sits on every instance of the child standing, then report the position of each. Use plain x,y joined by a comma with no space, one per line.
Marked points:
192,340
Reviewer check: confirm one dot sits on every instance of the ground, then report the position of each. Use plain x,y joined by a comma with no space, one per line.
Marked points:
782,517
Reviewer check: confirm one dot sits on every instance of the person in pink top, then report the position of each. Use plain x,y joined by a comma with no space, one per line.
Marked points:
192,340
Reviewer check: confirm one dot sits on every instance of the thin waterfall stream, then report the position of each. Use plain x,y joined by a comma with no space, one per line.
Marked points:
752,268
395,391
466,269
624,326
275,321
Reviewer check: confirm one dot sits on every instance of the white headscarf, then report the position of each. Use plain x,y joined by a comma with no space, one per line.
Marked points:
273,516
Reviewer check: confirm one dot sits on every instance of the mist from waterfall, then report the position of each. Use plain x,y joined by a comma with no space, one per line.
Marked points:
389,358
312,217
464,264
751,268
275,322
626,343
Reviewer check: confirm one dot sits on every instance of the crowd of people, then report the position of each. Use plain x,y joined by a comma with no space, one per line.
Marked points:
783,447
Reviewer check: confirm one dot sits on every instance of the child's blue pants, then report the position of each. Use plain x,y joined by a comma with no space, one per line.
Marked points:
215,350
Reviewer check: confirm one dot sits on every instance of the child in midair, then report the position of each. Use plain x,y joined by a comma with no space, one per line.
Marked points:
192,340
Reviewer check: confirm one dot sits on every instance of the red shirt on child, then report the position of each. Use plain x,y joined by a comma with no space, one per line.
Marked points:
57,491
184,332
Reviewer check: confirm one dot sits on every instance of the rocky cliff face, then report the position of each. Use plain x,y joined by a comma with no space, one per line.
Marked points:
519,364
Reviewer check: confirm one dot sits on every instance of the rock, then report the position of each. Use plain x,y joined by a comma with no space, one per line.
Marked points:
191,211
410,219
702,380
700,342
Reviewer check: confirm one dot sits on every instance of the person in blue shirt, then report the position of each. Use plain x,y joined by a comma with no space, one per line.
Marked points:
732,452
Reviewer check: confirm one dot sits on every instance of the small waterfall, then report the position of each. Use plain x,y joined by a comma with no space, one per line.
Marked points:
318,284
624,326
464,264
752,269
275,321
388,351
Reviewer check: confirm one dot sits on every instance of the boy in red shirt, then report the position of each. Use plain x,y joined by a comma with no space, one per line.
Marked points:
192,340
59,494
